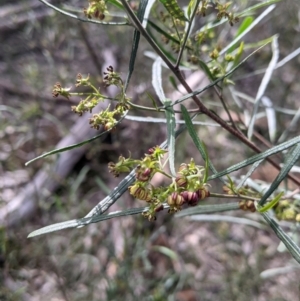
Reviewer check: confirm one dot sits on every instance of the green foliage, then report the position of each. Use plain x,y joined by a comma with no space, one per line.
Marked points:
179,44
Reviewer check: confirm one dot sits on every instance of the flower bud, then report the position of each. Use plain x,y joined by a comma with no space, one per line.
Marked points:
143,174
190,197
181,181
140,193
175,200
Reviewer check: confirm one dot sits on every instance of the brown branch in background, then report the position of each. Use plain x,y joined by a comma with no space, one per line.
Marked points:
89,46
226,108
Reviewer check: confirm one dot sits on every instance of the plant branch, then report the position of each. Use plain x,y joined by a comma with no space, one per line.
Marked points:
202,108
79,18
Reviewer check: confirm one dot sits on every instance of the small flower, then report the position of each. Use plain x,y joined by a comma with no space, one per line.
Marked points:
159,207
59,90
203,193
112,78
96,9
149,215
82,81
192,198
214,54
140,193
181,181
143,174
123,165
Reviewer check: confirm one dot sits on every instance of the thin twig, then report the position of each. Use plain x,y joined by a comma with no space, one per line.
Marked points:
186,35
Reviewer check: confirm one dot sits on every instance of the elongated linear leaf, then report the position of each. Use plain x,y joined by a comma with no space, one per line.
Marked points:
116,3
255,7
136,40
248,11
194,136
228,219
251,160
204,209
245,24
264,83
249,28
191,7
72,146
271,117
170,115
85,221
205,68
64,149
288,242
292,158
157,80
163,120
171,126
163,32
174,10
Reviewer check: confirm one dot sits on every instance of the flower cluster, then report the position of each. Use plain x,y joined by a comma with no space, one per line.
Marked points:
59,90
223,13
286,210
96,9
187,187
247,205
112,78
105,118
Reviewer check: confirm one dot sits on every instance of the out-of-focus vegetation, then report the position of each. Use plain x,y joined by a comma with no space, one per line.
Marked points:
128,258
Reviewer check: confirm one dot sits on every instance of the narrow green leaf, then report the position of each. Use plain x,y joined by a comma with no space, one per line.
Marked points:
173,82
170,115
245,24
84,221
194,136
229,219
191,7
271,204
288,242
205,177
261,17
116,3
136,40
251,160
238,54
64,149
253,8
204,209
174,10
292,158
205,68
152,100
165,251
171,126
163,32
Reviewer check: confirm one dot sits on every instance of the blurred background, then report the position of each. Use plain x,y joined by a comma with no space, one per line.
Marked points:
127,258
